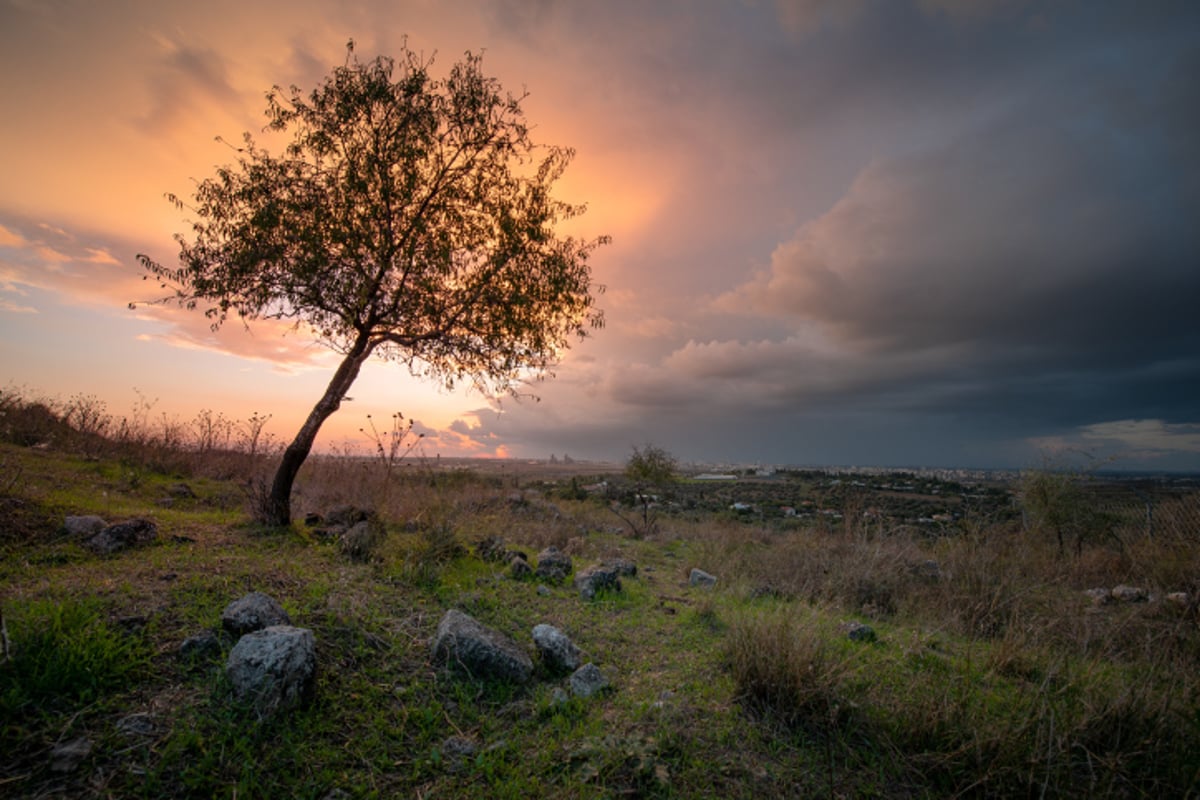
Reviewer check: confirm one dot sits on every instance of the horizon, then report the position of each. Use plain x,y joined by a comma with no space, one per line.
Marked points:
843,233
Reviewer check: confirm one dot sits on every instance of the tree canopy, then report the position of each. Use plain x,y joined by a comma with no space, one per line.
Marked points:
409,217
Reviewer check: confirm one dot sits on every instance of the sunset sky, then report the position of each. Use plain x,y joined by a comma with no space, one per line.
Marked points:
937,232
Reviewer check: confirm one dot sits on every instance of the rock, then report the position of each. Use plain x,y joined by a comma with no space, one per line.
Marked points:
138,725
593,579
200,646
1179,600
181,491
858,632
347,516
360,541
492,549
559,696
457,751
588,680
623,566
122,536
81,527
553,564
312,519
929,569
465,644
253,612
519,569
1099,596
1130,594
544,591
274,669
699,577
557,651
67,757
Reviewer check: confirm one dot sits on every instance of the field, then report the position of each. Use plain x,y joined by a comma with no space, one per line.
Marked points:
985,668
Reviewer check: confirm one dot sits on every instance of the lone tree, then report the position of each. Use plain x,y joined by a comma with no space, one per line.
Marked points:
648,468
409,217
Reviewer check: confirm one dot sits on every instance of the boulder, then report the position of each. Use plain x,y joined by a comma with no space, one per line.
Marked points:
274,669
362,539
122,536
593,579
699,577
553,564
624,567
557,651
519,569
253,612
858,632
83,526
464,644
588,680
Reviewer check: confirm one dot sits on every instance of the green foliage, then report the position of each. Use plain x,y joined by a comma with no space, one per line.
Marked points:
651,466
63,655
1055,502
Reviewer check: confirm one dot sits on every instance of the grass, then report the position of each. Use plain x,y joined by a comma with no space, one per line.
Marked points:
995,676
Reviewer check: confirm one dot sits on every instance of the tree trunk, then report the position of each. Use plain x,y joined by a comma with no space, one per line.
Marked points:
278,512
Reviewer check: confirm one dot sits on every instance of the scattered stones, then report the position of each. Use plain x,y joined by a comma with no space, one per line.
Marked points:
596,578
362,539
253,612
698,577
1130,594
557,651
67,757
858,632
588,680
81,527
274,669
463,643
553,564
202,645
122,536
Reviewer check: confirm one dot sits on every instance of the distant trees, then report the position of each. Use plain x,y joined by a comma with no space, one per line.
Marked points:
410,218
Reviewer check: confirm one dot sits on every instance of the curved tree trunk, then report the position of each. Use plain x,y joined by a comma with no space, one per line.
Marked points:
278,512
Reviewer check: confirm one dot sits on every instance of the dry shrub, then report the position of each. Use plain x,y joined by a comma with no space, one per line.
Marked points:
785,671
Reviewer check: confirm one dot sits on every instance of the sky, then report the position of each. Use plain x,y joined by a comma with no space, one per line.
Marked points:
959,233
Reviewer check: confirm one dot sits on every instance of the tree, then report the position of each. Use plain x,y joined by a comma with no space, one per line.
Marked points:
648,468
410,218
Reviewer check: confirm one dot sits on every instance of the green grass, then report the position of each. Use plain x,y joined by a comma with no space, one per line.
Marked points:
997,680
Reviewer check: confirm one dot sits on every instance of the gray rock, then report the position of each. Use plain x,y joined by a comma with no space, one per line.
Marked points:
559,696
596,578
138,725
200,646
588,680
699,577
1130,594
544,591
557,651
67,757
1180,600
858,632
81,527
181,491
360,541
519,568
1099,596
122,536
457,751
464,644
348,516
553,564
274,669
253,612
624,567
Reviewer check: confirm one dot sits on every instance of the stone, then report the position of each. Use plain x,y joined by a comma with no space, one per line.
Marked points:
1099,596
858,632
623,566
181,491
544,591
347,516
122,536
597,578
556,649
457,751
698,577
81,527
466,645
519,569
553,564
362,539
274,669
1180,600
253,612
492,549
1130,594
559,696
588,680
67,756
138,725
202,645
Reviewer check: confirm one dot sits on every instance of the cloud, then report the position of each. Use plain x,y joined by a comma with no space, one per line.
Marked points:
1146,435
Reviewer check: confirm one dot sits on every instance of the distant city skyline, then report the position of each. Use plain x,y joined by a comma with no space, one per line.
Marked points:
959,234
